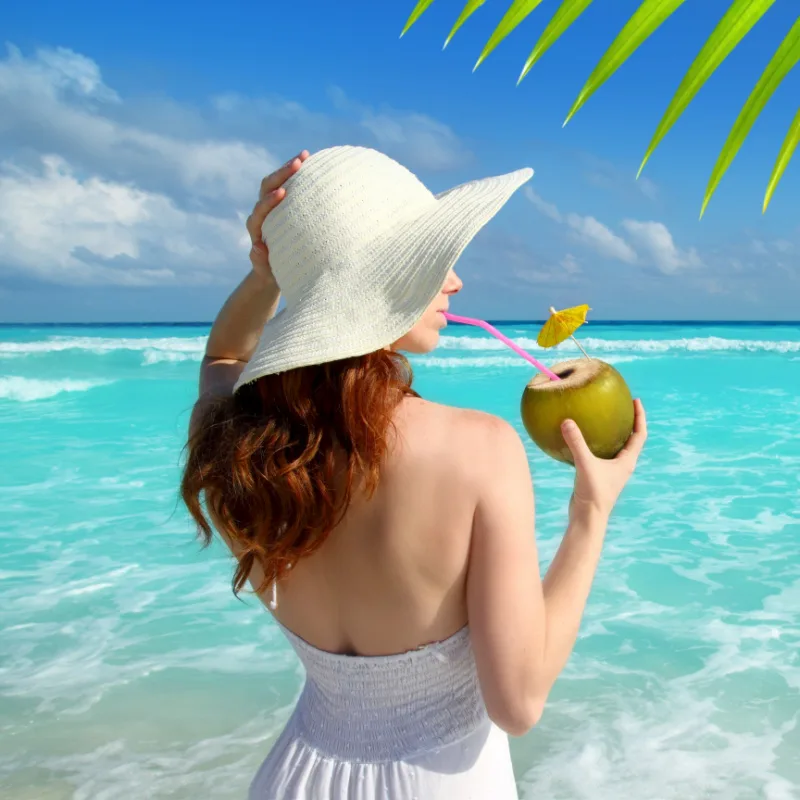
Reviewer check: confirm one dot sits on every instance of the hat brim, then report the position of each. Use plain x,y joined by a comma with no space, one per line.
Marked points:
413,265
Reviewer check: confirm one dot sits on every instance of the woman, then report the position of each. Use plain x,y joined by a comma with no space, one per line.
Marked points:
391,537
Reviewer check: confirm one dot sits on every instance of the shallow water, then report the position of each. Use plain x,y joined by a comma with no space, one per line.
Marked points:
127,669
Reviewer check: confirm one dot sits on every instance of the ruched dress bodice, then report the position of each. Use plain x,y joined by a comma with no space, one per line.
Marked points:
411,725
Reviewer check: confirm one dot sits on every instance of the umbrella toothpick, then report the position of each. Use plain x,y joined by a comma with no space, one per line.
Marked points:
561,326
580,348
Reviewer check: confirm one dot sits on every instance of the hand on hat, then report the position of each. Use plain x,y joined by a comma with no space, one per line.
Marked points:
271,193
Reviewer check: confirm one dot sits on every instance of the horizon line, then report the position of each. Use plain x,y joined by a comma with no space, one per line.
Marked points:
198,324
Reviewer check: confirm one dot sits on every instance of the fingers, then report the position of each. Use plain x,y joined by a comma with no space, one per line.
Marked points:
639,418
635,443
270,194
260,211
279,177
576,443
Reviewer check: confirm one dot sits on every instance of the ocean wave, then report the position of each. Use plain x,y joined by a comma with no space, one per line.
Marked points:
220,764
176,349
490,362
154,356
28,389
485,362
697,344
153,348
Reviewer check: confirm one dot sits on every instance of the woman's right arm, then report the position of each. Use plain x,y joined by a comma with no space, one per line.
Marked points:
523,628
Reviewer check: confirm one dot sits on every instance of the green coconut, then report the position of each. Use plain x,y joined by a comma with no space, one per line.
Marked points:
592,393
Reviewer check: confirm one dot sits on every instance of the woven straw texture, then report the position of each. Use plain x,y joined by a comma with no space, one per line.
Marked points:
360,248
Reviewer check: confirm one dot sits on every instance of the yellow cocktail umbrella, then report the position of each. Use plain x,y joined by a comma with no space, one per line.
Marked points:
561,326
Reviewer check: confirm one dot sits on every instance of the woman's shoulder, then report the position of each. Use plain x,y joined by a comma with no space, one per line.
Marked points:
417,410
460,434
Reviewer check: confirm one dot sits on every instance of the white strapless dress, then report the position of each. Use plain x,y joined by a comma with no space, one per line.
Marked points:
411,726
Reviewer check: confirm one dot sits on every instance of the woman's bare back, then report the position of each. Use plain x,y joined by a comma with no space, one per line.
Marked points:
392,575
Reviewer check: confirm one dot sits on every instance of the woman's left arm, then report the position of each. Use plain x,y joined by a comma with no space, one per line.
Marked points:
235,334
238,326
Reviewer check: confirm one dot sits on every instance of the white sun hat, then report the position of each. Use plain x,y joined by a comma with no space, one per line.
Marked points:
360,248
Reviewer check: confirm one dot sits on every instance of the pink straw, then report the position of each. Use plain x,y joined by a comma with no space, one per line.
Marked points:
516,348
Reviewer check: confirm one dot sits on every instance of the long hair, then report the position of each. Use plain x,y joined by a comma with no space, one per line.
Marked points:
275,463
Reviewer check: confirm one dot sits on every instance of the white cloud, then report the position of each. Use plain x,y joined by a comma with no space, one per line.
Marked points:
601,238
58,98
70,71
653,241
761,248
100,189
607,175
521,264
647,188
409,136
586,230
548,209
424,141
656,240
560,274
57,101
417,140
62,229
570,264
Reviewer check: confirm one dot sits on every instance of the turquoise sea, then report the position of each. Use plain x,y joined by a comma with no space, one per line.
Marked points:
128,670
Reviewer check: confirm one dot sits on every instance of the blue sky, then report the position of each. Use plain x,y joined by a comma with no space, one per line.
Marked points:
133,136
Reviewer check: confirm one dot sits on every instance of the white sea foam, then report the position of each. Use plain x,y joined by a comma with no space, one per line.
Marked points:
673,748
28,389
153,349
219,766
155,356
89,589
699,344
493,362
172,349
485,362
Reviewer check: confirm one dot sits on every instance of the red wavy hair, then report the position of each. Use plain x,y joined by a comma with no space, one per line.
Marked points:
275,463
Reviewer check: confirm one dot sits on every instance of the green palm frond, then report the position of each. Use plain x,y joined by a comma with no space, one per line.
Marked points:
419,9
732,28
736,23
648,17
786,56
469,9
567,13
784,156
517,12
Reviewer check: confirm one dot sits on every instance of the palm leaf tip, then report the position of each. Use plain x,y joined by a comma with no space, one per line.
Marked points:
469,9
419,9
645,20
582,97
782,161
529,64
479,62
641,166
517,12
728,33
779,66
567,13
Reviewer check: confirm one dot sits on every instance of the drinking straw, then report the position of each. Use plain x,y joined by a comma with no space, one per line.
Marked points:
516,348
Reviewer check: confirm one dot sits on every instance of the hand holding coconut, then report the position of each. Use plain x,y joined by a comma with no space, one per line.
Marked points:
600,481
587,391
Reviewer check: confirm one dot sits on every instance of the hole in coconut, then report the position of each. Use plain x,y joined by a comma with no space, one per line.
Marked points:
566,373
